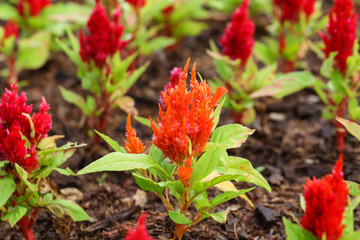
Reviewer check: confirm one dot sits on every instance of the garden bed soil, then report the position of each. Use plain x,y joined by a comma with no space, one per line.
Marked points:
292,142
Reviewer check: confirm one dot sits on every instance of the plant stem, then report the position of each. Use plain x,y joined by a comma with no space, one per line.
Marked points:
339,128
25,225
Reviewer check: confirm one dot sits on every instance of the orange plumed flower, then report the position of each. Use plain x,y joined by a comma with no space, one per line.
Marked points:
186,171
132,144
187,118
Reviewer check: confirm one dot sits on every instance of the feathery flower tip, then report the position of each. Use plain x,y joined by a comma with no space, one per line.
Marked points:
140,233
326,199
132,144
237,41
34,7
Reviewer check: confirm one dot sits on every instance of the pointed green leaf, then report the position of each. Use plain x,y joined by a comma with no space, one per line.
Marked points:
7,188
226,196
179,218
231,135
14,215
74,210
111,142
352,127
243,167
117,161
296,232
24,177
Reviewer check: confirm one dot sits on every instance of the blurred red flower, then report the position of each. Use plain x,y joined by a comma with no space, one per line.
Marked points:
341,32
140,233
11,29
326,199
289,10
136,3
237,41
32,7
104,38
14,124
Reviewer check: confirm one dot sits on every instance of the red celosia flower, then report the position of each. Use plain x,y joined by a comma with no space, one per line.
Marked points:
104,36
32,7
11,29
341,32
326,199
42,121
187,117
237,41
174,80
132,144
136,3
186,171
14,124
289,10
140,232
168,10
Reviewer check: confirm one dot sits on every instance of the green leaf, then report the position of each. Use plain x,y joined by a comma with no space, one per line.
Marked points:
7,188
74,98
348,220
118,161
267,52
15,215
111,142
352,127
74,210
34,51
231,135
226,196
338,82
327,66
354,188
295,232
286,84
144,121
351,236
155,44
24,175
179,218
8,12
207,162
147,184
243,167
67,171
216,113
219,217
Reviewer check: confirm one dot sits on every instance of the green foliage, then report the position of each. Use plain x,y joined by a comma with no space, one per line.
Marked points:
19,198
296,232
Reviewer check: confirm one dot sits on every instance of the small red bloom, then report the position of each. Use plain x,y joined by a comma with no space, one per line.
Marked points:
326,199
140,233
341,32
136,3
132,144
11,29
174,80
187,117
104,36
289,10
32,7
238,41
14,124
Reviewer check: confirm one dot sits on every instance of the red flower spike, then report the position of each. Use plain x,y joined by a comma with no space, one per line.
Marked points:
289,10
326,199
42,121
238,41
13,124
140,233
174,80
186,171
32,7
136,3
11,29
341,32
132,144
104,36
187,117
